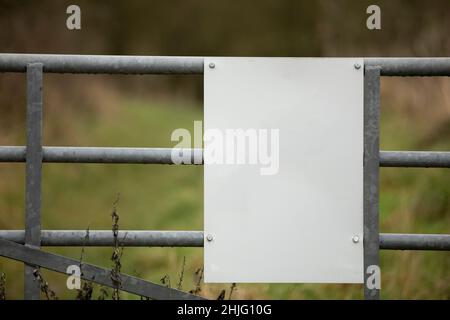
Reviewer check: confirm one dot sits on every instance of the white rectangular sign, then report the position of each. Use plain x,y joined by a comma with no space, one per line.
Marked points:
283,170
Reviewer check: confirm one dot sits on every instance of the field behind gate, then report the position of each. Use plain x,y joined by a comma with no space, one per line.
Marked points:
415,115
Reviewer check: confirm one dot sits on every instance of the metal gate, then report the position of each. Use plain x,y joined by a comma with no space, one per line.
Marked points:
24,245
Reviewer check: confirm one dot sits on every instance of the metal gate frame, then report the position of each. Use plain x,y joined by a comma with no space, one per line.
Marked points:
23,245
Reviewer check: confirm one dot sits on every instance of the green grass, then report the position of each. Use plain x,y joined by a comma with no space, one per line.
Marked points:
162,197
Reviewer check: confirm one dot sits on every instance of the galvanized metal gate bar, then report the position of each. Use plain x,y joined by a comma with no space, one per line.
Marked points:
95,64
104,238
417,159
402,241
371,174
152,238
33,172
411,67
10,62
90,272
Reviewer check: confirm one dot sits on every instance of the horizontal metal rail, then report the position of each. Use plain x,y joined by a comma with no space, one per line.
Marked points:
104,238
423,159
133,238
416,67
163,156
400,241
101,155
104,64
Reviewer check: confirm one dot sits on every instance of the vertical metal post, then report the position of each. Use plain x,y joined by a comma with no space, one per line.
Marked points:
371,177
33,173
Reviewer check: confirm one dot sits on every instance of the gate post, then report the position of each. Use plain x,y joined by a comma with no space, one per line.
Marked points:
371,176
33,173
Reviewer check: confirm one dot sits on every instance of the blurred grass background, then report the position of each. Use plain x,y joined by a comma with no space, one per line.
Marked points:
143,111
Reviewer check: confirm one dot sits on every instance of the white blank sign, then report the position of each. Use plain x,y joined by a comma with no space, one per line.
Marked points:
300,224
